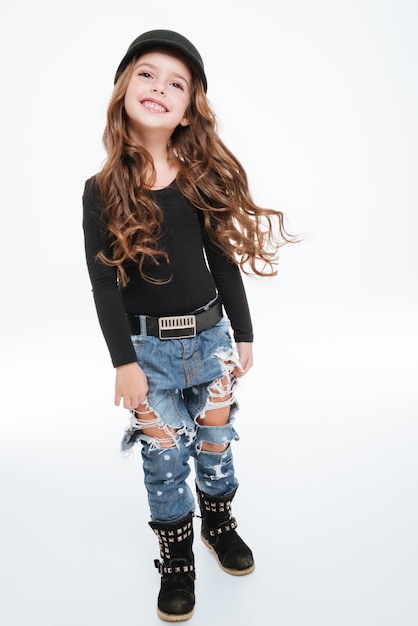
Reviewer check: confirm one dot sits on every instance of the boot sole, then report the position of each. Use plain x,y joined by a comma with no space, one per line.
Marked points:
167,617
233,572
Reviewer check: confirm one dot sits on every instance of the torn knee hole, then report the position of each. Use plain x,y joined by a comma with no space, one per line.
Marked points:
168,442
214,447
158,440
221,387
220,393
223,399
152,427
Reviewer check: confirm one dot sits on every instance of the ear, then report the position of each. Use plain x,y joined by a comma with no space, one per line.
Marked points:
184,121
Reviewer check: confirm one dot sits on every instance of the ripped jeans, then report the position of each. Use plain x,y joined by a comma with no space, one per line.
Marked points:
186,379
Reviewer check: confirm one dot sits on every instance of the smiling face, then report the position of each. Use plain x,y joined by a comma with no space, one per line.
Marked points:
158,95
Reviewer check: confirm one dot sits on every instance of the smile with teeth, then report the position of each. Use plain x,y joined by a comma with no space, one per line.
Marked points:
153,106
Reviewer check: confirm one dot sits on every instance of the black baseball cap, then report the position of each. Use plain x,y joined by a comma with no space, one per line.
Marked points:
164,39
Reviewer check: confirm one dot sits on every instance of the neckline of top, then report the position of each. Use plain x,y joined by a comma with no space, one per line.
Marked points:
172,184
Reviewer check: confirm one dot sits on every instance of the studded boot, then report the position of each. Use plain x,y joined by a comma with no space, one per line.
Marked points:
219,534
176,597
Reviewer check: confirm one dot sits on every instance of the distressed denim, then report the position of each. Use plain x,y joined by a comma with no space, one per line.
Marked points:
183,378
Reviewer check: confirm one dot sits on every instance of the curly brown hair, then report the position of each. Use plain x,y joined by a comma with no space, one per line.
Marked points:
209,176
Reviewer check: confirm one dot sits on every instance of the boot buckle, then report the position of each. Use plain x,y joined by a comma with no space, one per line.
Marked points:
163,570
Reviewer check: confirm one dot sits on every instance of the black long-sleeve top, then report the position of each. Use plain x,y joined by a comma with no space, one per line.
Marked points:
196,268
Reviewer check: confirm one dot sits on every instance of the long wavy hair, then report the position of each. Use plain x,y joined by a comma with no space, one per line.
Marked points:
209,175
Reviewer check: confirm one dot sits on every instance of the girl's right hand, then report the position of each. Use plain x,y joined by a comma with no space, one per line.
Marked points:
131,385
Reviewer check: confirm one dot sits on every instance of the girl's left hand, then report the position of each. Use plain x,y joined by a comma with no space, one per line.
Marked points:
245,353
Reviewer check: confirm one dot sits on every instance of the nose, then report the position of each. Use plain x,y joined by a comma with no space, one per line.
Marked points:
159,88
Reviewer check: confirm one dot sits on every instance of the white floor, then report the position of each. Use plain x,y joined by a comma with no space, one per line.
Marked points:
328,498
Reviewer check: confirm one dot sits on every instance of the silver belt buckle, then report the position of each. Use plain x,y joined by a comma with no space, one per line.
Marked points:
177,326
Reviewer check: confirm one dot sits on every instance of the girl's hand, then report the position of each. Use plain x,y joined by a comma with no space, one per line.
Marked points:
245,353
131,385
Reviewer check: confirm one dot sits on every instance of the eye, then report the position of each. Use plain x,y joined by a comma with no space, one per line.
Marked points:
144,74
177,86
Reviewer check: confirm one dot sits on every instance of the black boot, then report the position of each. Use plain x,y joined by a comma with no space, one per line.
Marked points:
219,534
176,598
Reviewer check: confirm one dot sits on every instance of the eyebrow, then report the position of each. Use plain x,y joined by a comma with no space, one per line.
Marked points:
153,67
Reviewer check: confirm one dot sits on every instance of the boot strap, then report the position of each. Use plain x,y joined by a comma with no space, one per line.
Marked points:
225,527
187,568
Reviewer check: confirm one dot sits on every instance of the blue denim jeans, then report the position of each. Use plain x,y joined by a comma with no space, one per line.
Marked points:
184,377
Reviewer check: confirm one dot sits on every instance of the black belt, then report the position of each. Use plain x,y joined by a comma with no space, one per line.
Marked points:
176,326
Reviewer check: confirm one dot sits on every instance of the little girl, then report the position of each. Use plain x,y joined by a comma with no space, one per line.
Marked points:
169,222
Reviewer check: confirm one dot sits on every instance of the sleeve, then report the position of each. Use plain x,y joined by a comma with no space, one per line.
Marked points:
230,286
108,301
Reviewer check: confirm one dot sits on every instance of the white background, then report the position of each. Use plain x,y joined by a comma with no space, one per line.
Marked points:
319,101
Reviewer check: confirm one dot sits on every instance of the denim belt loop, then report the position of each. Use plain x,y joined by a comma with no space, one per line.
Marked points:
143,325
